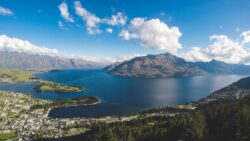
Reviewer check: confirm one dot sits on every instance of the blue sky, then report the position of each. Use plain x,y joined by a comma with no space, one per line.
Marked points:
37,22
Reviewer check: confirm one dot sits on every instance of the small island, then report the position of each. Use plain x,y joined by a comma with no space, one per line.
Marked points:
57,87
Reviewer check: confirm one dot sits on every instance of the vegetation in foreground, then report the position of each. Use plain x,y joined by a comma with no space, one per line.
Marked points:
6,136
57,87
217,121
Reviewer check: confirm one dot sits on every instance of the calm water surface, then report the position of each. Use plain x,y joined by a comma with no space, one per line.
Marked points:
121,95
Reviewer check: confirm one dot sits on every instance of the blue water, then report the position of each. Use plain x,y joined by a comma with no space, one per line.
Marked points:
122,95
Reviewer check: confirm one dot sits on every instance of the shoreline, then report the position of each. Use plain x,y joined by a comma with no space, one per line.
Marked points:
50,109
10,76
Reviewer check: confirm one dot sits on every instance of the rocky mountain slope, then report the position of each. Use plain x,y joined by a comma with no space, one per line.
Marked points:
166,65
16,60
163,65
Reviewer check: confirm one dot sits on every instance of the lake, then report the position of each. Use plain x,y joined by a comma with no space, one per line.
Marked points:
123,95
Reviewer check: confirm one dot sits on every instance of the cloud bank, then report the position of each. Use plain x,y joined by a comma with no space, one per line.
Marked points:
223,48
19,45
11,44
153,33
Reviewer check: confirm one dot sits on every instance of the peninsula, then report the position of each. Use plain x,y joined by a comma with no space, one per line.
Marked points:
13,76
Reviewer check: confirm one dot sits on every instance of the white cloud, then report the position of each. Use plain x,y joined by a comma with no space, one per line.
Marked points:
93,22
109,30
245,37
65,12
19,45
105,60
153,33
90,19
5,11
125,34
120,58
222,48
195,54
116,20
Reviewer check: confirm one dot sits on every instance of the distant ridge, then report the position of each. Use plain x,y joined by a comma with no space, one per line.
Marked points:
219,67
16,60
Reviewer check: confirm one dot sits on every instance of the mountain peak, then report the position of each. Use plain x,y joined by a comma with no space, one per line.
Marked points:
162,65
213,60
216,61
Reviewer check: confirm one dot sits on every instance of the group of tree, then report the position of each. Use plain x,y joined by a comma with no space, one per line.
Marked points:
217,121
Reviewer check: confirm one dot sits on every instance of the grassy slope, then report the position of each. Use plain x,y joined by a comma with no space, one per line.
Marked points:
6,136
16,75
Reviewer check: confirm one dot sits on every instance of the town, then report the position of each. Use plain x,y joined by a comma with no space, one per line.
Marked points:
18,117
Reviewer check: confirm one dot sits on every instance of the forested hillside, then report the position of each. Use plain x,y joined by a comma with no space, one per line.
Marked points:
217,121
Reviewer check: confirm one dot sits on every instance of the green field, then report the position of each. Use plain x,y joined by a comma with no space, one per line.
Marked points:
6,136
7,75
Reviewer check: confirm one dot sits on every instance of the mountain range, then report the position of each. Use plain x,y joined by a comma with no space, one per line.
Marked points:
219,67
27,61
161,65
168,65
